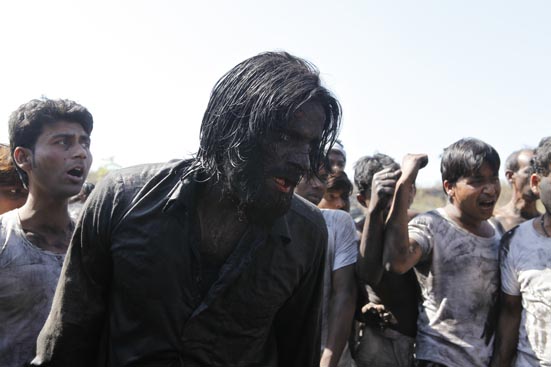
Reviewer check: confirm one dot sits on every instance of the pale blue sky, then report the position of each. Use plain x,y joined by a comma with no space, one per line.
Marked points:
412,76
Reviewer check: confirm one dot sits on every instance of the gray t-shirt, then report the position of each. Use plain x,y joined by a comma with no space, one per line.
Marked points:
526,272
458,274
342,250
28,278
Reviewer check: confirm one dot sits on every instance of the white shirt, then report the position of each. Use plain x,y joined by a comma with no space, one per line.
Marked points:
342,250
459,275
28,278
526,272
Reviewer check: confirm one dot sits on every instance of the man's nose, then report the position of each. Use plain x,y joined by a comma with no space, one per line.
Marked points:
80,151
490,188
301,158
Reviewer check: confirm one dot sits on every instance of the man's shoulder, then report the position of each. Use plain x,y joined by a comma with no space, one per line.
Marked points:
139,174
308,212
520,236
430,217
335,215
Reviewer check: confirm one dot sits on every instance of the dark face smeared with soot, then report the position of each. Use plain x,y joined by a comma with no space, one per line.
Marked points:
263,187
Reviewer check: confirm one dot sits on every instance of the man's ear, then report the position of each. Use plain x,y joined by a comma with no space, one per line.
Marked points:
23,157
509,176
361,199
449,188
535,183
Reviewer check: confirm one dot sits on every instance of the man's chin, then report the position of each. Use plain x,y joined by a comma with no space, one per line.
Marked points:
267,214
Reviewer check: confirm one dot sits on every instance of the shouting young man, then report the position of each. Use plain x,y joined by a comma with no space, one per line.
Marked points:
210,261
454,251
50,145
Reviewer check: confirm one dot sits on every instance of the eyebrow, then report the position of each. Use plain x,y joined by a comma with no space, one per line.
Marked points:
69,135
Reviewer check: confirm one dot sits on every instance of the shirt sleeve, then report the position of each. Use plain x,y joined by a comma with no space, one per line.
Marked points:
509,276
421,230
346,242
71,335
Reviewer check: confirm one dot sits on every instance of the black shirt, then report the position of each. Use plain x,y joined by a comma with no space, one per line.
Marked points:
132,292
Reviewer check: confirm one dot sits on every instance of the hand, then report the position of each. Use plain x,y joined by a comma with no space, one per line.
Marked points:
382,188
379,315
411,164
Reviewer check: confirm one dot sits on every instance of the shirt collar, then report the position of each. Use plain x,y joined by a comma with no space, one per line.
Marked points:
184,195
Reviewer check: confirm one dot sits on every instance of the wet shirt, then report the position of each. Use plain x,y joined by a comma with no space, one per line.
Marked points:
132,292
526,272
459,276
28,278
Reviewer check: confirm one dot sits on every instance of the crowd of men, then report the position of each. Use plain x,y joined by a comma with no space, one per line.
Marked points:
246,255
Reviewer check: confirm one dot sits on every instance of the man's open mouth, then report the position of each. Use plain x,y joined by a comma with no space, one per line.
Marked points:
487,204
77,172
284,184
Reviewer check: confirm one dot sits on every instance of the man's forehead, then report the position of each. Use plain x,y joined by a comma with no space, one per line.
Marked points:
309,116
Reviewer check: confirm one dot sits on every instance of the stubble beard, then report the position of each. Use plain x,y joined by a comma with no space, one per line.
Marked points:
255,202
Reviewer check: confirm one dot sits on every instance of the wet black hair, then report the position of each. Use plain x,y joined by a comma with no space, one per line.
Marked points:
542,157
259,95
26,123
366,167
465,157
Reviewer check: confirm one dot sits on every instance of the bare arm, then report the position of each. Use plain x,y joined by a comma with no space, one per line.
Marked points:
342,304
370,258
400,253
507,330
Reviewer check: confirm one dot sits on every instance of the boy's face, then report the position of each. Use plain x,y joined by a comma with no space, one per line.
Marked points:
313,188
60,160
476,196
335,199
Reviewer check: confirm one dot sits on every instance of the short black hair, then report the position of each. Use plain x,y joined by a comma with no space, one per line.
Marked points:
259,95
542,157
366,167
465,157
338,181
26,123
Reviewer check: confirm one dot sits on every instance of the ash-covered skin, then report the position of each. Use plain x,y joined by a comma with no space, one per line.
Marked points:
263,187
459,278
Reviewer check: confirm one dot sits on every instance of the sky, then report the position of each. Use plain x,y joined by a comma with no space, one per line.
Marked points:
412,76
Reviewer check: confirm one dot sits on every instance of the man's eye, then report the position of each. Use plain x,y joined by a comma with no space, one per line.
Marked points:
284,137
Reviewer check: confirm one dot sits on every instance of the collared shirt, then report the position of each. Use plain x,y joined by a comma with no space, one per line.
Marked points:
131,291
